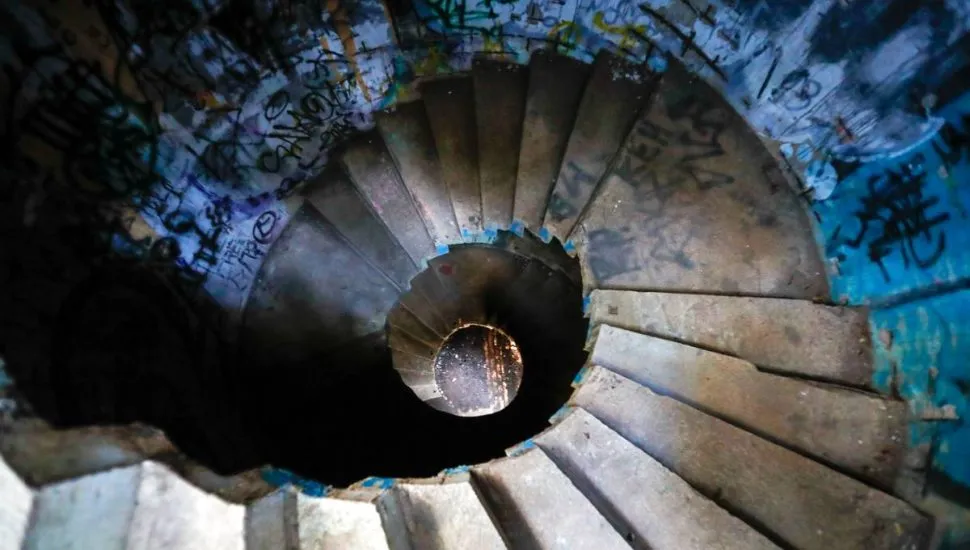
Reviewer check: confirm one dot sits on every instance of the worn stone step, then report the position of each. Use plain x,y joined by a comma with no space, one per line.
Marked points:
287,519
536,506
469,273
407,136
400,340
373,172
789,336
785,495
414,370
450,106
439,302
694,202
145,506
415,302
637,494
556,85
616,92
438,516
860,434
335,196
500,91
552,254
313,293
401,318
16,502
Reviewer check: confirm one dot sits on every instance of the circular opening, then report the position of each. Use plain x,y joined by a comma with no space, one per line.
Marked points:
478,369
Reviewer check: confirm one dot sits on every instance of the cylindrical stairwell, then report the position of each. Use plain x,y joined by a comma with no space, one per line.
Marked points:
553,306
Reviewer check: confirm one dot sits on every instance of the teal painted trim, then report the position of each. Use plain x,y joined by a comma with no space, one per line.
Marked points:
521,448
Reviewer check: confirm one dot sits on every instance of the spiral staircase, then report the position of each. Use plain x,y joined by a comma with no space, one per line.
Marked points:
665,375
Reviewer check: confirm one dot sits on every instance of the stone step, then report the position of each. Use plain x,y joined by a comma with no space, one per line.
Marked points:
373,172
438,516
401,318
536,506
788,496
338,200
407,136
500,90
787,336
145,506
637,494
694,202
428,288
616,92
860,434
16,503
469,272
289,520
450,106
530,246
401,341
313,293
556,85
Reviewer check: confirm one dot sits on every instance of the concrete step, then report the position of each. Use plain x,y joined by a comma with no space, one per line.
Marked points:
637,494
450,106
401,341
338,200
438,516
616,92
313,293
145,506
427,287
16,503
556,85
694,202
372,169
401,318
858,433
407,136
536,506
500,91
469,273
785,495
530,246
290,520
787,336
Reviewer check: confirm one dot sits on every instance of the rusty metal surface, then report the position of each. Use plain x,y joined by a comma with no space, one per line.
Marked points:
407,135
556,84
478,369
695,202
790,336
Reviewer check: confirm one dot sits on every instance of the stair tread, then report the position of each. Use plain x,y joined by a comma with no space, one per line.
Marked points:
450,106
694,202
51,455
418,306
440,304
861,434
337,199
407,135
798,500
313,293
441,517
142,506
401,341
500,90
536,505
15,507
401,318
314,522
373,172
529,246
638,493
470,274
556,84
792,336
616,92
